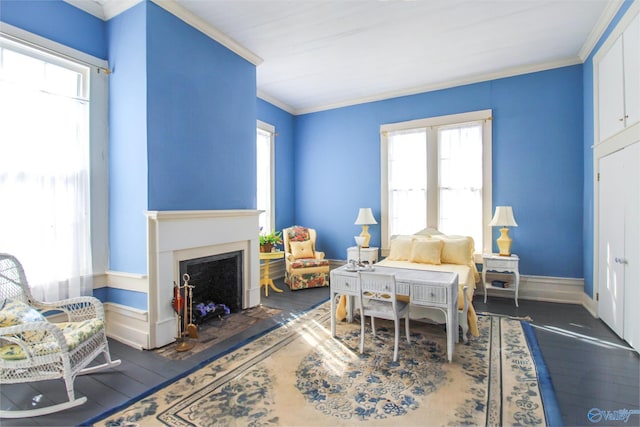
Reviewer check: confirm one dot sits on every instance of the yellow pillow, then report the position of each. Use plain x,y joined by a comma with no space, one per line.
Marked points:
302,249
458,250
400,249
426,251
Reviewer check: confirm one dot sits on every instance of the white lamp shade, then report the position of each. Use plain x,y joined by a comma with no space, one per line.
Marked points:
359,240
503,217
365,217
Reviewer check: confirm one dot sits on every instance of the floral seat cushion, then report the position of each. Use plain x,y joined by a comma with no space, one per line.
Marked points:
40,342
309,262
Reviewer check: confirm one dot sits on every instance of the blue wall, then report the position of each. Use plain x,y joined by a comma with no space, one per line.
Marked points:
57,21
537,163
128,140
183,111
201,119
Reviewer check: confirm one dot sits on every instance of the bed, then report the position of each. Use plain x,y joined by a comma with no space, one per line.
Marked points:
431,250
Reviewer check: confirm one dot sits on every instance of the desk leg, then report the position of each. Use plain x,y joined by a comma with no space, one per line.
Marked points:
517,274
333,313
484,283
267,282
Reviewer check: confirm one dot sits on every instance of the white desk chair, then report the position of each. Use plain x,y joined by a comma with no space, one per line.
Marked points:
378,299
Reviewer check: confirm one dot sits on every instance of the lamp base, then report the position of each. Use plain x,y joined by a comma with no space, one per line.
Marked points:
366,235
504,242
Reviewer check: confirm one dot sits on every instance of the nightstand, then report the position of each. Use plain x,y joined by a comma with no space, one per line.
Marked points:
369,254
501,264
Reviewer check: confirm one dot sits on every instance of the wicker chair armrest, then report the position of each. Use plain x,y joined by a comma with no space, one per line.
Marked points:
77,309
17,335
319,255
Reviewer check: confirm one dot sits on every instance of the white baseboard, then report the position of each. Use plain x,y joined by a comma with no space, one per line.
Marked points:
128,325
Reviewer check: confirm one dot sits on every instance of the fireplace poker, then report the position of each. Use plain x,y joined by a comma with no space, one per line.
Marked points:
192,329
181,306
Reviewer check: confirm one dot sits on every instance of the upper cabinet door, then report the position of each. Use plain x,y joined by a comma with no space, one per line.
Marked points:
631,58
611,92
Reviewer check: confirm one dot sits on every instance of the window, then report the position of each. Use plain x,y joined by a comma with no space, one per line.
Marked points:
265,180
45,134
437,173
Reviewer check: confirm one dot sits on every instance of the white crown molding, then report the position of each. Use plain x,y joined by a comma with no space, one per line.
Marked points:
103,9
107,9
598,30
198,23
271,100
509,72
116,7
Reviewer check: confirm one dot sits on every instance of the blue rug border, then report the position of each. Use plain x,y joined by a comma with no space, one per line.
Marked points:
552,411
200,365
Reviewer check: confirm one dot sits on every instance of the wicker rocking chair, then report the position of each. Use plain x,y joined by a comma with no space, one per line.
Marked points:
35,349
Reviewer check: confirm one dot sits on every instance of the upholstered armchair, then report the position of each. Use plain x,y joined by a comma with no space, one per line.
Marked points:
305,267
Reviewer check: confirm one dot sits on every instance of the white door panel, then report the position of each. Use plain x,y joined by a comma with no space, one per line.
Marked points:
611,241
632,246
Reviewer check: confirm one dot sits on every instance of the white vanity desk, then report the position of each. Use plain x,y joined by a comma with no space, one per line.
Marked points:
438,290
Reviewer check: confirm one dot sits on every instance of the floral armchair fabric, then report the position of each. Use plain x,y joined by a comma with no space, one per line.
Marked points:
305,267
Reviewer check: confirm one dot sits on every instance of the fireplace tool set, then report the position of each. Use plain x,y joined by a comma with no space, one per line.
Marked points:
183,306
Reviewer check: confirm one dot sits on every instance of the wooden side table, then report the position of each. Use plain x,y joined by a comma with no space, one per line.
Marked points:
501,264
369,254
266,281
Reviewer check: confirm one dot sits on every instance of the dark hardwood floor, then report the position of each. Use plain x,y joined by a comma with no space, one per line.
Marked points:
589,365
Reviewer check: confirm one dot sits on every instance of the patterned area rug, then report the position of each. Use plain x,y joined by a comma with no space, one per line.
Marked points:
296,375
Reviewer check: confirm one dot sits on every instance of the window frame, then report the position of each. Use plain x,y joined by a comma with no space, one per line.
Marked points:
97,95
432,124
271,213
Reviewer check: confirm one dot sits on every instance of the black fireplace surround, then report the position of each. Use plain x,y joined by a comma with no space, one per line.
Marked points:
216,279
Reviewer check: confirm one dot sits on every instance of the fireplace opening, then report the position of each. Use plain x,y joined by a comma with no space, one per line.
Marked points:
217,281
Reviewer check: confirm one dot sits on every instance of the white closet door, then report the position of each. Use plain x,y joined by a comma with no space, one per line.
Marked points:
632,246
611,92
632,72
611,241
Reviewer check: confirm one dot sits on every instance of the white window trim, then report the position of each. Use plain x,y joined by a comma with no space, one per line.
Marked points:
431,124
272,131
98,134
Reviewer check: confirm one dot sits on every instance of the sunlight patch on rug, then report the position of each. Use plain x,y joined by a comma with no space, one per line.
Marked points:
298,375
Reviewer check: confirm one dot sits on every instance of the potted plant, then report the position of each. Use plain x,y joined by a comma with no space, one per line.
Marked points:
269,240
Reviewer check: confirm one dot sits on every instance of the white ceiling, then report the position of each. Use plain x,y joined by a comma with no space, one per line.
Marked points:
319,54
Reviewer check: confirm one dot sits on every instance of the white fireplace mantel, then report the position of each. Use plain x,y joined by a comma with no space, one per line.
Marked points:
175,236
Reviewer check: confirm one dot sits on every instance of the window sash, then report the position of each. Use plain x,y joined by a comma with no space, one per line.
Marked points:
45,142
441,184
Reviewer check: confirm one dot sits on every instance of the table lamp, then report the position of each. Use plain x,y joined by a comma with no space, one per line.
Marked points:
359,242
503,217
365,217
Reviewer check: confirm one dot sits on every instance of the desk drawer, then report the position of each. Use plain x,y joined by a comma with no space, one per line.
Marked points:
345,284
421,294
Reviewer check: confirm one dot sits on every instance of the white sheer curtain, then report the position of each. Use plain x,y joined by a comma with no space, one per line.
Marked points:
44,170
